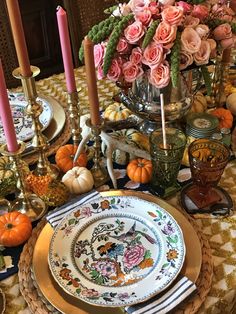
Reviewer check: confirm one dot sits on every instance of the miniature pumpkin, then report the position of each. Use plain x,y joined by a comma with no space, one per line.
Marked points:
116,112
199,103
140,170
15,229
231,103
79,180
225,117
65,155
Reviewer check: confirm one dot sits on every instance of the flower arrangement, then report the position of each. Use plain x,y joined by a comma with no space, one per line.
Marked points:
160,38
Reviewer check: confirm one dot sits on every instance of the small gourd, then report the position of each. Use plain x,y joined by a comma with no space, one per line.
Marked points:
199,103
139,170
225,117
116,112
78,180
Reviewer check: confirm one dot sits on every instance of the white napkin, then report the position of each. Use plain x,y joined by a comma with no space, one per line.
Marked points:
165,302
58,214
161,303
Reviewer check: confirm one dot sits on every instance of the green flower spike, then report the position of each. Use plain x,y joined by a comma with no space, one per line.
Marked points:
174,60
113,41
207,79
149,34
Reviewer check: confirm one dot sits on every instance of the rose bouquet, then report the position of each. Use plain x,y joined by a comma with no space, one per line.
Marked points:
158,39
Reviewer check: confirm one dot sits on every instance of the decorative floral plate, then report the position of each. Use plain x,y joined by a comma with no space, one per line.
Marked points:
116,251
23,123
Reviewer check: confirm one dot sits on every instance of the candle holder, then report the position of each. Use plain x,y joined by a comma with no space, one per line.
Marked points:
100,174
74,114
26,203
34,110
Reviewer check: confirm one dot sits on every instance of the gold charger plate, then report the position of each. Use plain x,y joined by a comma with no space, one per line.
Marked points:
70,305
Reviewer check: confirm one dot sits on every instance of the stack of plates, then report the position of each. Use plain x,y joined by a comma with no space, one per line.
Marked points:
201,125
52,119
117,250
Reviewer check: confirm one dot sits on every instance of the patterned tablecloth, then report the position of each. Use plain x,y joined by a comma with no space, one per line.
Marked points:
221,232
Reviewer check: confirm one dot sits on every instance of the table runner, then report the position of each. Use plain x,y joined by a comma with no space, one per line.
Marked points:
221,233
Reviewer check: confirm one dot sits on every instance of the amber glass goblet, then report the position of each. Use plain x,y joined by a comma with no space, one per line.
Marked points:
207,159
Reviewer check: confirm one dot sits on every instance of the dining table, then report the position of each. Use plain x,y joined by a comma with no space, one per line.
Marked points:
217,291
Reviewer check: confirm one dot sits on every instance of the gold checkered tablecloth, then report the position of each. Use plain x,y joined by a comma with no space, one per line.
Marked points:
221,232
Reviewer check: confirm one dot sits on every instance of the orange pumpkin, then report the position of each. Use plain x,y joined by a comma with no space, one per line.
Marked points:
65,155
139,170
15,229
225,117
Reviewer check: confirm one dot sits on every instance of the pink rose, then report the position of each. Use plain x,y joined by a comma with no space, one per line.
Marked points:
133,256
185,6
160,75
172,15
131,71
165,34
190,40
186,59
136,55
201,11
122,46
114,71
144,17
153,54
228,42
98,51
167,2
202,30
153,8
138,5
203,54
212,43
222,31
134,32
191,21
100,74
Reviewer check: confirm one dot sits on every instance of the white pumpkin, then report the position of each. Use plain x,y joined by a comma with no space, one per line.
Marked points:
231,103
78,180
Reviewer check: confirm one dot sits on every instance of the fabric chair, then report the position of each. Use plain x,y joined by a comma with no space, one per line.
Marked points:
82,15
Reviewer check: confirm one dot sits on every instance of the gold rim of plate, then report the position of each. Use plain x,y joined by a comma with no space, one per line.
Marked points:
70,305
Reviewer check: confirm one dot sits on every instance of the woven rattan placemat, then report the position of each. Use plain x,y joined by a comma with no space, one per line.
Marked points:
39,305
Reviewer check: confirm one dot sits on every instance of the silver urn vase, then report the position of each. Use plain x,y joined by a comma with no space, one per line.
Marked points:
143,99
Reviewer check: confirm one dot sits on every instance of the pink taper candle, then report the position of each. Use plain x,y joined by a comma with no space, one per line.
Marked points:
6,115
19,37
66,49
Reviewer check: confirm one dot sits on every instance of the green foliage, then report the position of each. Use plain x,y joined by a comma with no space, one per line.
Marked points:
113,41
111,9
100,32
174,60
195,1
207,78
149,34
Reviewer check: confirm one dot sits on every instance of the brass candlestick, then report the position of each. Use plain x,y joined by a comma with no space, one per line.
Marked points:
74,113
100,174
26,203
34,110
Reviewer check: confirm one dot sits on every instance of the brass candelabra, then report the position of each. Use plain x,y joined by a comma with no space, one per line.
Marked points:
74,114
26,203
34,110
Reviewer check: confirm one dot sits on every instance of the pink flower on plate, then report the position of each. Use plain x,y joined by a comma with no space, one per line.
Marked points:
122,46
165,34
201,11
203,54
191,21
153,54
202,30
105,268
131,71
172,15
222,31
186,59
86,211
98,51
190,40
114,71
90,293
160,75
185,6
134,32
136,56
133,256
144,17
